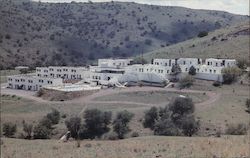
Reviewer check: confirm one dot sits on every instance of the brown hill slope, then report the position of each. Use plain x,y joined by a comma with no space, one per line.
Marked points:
230,42
33,33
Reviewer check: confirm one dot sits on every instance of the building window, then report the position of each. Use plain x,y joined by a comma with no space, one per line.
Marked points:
214,71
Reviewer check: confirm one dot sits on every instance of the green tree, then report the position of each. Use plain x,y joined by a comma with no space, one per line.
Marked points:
28,129
120,124
181,106
192,71
242,63
237,129
186,81
175,70
96,122
230,74
9,129
150,117
73,124
202,34
189,125
248,105
41,132
54,116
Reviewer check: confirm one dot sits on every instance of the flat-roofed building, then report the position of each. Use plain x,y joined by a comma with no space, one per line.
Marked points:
31,82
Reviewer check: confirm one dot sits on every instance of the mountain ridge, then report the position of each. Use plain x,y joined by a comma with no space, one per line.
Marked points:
40,34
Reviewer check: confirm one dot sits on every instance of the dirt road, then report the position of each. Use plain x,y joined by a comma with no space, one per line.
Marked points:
103,92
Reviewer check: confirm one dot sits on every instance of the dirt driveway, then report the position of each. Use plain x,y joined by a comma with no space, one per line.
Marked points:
103,92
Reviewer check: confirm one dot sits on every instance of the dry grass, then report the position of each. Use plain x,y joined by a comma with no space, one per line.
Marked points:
147,147
229,108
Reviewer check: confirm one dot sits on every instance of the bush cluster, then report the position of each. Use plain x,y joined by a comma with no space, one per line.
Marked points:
97,123
175,119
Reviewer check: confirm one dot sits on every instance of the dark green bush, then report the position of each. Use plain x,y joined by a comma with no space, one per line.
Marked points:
120,124
54,116
186,81
237,129
202,34
9,129
41,132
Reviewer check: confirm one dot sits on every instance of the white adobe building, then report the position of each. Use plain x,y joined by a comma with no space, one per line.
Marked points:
209,70
107,70
31,82
62,72
111,71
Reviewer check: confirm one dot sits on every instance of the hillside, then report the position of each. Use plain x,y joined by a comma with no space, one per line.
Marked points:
229,42
38,34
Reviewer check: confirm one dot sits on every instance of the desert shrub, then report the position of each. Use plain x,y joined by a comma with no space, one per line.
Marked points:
64,116
182,105
216,83
148,42
175,119
139,60
248,105
96,122
73,124
175,70
120,124
54,116
150,117
7,36
52,37
24,71
186,81
242,63
46,122
110,136
127,38
236,129
189,125
230,74
135,134
27,129
9,129
166,127
40,92
41,132
202,34
192,71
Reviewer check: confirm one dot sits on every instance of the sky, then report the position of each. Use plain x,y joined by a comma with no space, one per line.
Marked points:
232,6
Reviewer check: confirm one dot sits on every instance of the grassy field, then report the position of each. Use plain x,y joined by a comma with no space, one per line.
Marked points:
5,73
146,147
